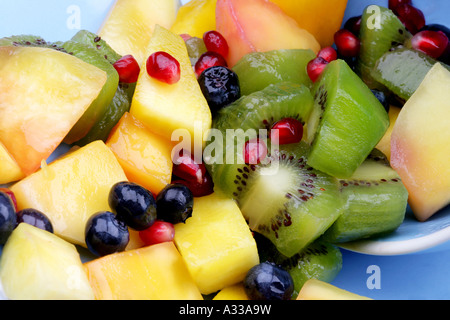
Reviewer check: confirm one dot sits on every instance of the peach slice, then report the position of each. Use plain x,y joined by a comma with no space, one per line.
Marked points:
420,148
259,25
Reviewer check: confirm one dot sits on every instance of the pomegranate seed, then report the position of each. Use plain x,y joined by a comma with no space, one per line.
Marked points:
287,131
353,25
214,41
255,151
315,68
11,195
128,69
185,167
198,189
347,43
163,67
328,53
393,4
432,43
159,232
207,60
411,17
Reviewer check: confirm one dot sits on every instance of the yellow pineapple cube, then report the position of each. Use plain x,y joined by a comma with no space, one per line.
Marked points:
314,289
216,243
195,18
155,272
130,24
38,265
9,169
233,292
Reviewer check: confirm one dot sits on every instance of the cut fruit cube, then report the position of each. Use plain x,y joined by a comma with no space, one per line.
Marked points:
71,189
38,265
216,243
40,100
159,273
195,18
419,144
233,292
385,143
145,157
320,290
130,24
170,108
9,169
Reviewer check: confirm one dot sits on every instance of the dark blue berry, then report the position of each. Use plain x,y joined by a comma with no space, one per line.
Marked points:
133,204
105,234
174,203
36,218
8,218
220,86
267,281
381,96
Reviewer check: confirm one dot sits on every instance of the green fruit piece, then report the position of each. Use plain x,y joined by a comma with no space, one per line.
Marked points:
195,47
93,40
259,69
346,124
402,71
288,201
243,120
381,30
376,201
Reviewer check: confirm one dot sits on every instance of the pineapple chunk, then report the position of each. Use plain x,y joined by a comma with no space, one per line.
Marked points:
233,292
195,18
216,243
9,169
38,265
71,189
165,108
130,24
314,289
158,273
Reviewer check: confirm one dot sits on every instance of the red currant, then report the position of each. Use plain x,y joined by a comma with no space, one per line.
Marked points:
158,232
411,17
328,53
347,43
432,43
207,60
287,131
255,151
214,41
315,68
128,69
164,67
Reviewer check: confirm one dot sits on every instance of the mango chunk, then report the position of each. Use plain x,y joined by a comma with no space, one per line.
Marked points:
314,289
9,169
71,189
38,265
216,243
158,273
195,18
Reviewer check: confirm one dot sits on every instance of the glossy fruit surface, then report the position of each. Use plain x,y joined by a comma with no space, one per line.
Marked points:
35,218
412,17
174,204
393,4
7,217
133,204
185,167
160,231
11,195
214,41
353,25
255,151
207,60
128,69
105,234
315,68
328,53
287,131
432,43
199,189
164,67
348,45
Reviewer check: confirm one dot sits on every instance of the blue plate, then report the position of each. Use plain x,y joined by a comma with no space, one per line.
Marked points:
402,272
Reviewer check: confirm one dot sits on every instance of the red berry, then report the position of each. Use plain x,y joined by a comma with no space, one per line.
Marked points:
255,151
185,167
393,4
328,53
11,195
287,131
159,232
348,45
432,43
214,41
315,68
207,60
198,189
128,69
353,25
411,17
163,67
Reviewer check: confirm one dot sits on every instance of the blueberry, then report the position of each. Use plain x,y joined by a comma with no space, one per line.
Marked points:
8,217
220,86
105,234
35,218
381,96
267,281
174,203
133,204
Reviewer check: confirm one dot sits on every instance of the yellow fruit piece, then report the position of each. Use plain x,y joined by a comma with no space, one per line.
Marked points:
233,292
9,170
216,243
321,18
195,18
130,24
38,265
155,272
145,157
385,143
314,289
178,109
71,189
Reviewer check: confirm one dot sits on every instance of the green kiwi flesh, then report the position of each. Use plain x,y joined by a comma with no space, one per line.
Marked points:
346,123
257,70
375,202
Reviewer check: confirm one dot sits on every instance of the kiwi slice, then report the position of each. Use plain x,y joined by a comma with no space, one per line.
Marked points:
381,30
93,40
346,123
257,70
320,260
376,201
402,71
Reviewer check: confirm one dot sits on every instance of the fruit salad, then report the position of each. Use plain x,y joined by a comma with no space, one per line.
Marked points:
218,149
